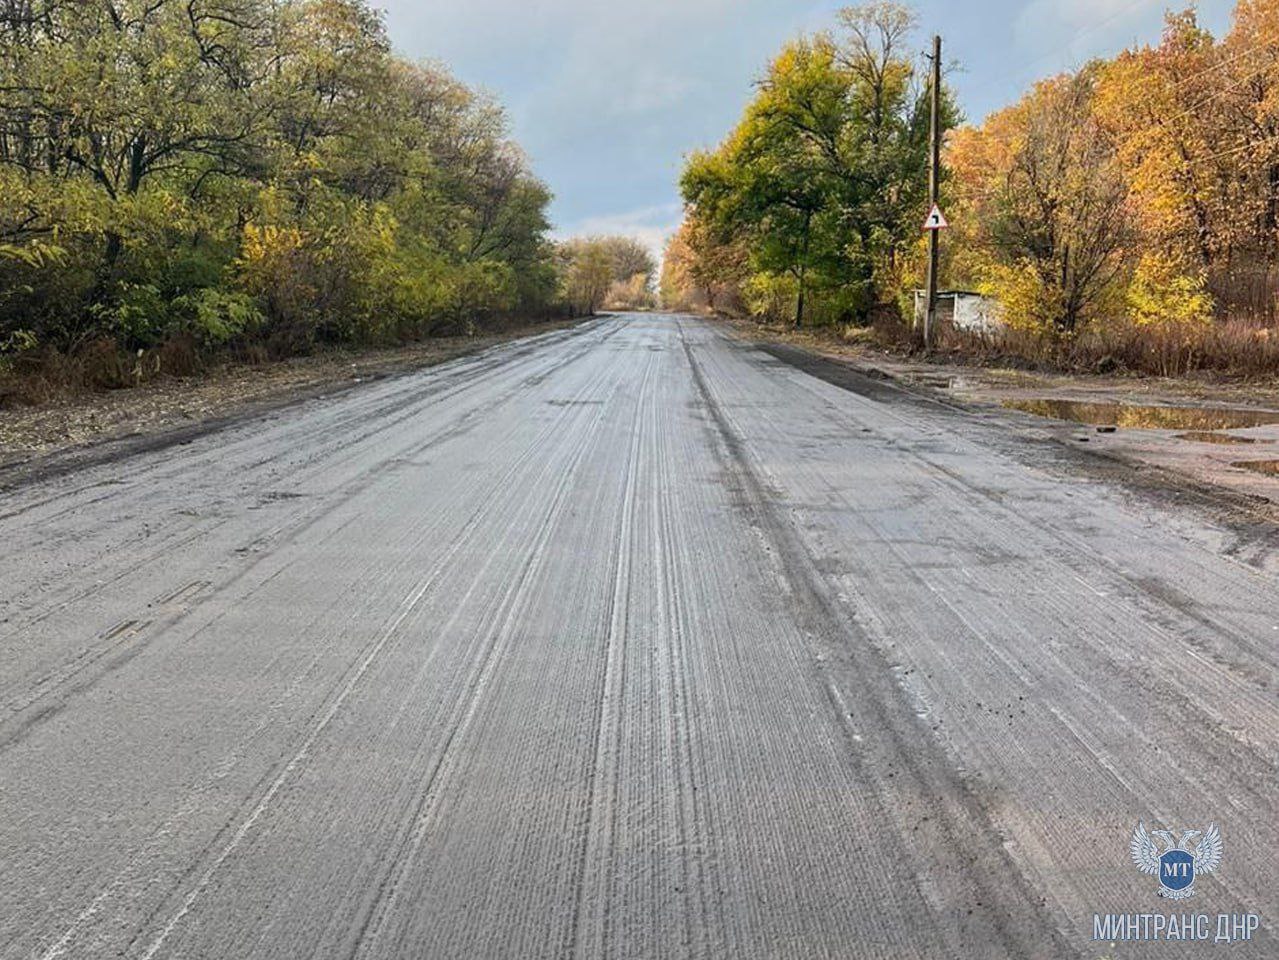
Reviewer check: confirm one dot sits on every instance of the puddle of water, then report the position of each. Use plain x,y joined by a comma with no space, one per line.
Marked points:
1259,466
942,383
1207,436
1145,417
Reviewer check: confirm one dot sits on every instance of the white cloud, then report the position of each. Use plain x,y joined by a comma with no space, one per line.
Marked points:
607,97
651,226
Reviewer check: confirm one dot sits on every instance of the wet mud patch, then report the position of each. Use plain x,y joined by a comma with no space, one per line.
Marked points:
1145,417
1209,436
872,385
1270,467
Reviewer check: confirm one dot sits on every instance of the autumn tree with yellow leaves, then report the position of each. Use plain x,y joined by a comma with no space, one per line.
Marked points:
1142,191
1042,207
1131,204
1196,128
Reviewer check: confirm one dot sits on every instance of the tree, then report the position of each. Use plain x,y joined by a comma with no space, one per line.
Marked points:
168,166
630,259
587,268
1196,123
824,178
772,179
699,271
1047,206
634,274
613,271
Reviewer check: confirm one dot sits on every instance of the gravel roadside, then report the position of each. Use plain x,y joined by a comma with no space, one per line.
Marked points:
1181,427
82,427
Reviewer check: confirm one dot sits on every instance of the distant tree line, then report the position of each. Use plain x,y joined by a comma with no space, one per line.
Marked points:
613,272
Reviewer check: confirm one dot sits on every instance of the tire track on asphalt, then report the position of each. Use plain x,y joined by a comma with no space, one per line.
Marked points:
681,674
371,929
270,785
602,800
960,832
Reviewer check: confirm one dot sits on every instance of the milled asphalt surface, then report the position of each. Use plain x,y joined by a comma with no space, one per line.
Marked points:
625,641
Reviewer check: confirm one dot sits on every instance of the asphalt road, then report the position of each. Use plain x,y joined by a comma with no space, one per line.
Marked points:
626,641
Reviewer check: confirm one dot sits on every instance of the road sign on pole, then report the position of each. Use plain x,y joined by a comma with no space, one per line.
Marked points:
933,225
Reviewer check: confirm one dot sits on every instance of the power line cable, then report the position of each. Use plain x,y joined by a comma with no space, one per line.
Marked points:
1214,95
1251,51
1121,11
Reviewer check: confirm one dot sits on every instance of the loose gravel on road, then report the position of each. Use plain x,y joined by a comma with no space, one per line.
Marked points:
630,640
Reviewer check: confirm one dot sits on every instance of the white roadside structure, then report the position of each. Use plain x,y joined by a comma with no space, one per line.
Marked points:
963,310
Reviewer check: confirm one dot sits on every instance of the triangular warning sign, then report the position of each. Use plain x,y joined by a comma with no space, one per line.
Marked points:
935,219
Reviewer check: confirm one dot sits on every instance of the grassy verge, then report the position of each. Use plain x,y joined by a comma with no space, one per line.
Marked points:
1231,352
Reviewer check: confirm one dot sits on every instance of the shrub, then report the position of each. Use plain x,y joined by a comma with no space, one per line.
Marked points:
138,316
1161,292
771,296
1030,304
216,316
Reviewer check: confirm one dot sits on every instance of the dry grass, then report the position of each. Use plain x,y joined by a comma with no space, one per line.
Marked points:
39,376
46,375
1231,348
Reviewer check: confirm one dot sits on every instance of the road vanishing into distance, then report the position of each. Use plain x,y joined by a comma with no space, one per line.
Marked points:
632,640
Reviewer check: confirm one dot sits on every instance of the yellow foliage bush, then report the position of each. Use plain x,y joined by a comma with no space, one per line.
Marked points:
1161,292
771,296
263,250
270,267
1029,303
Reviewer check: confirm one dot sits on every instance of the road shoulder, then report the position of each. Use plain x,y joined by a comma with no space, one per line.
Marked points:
1192,479
62,436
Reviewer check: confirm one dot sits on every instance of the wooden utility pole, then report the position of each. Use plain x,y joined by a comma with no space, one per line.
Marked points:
934,178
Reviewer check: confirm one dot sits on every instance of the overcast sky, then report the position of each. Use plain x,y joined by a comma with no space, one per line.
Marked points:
607,96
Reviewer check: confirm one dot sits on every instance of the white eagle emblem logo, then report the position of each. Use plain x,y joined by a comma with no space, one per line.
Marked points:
1177,866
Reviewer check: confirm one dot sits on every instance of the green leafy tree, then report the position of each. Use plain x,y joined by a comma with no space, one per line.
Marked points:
587,268
235,168
824,178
